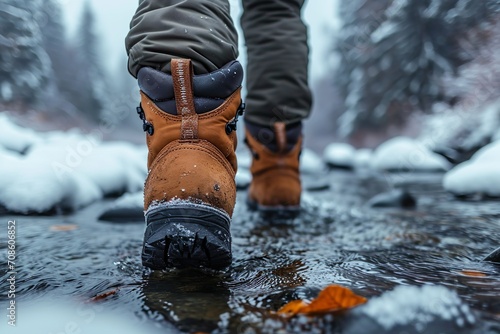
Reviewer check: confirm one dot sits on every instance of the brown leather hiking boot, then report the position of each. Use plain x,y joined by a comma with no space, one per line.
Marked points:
276,182
190,192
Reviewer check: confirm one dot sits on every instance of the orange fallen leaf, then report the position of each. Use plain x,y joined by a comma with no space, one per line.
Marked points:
63,228
473,273
292,308
333,298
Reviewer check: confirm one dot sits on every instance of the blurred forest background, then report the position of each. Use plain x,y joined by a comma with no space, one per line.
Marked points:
56,81
424,68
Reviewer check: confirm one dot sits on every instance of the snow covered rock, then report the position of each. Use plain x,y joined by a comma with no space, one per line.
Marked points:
16,138
127,208
29,184
480,175
243,178
363,158
64,170
311,163
130,201
407,155
493,256
339,155
244,158
412,309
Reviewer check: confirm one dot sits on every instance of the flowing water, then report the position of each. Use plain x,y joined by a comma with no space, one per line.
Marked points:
336,239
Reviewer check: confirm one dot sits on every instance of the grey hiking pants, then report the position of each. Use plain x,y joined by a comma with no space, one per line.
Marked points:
202,30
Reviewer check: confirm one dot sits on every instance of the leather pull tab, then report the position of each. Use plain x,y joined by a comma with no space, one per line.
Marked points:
280,133
182,75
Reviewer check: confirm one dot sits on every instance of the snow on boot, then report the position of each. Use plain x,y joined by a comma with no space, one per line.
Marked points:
190,192
276,185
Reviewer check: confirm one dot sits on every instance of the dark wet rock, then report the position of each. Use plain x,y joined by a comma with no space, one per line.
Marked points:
20,150
457,153
339,166
55,211
122,215
315,183
450,154
126,209
475,197
494,256
339,155
3,210
398,198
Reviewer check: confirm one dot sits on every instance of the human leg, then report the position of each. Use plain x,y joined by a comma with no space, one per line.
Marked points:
278,99
189,107
200,30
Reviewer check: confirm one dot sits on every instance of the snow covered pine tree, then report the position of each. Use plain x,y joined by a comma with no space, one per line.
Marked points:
24,64
394,53
91,96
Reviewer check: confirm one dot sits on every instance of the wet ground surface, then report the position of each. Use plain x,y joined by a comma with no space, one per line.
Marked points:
336,239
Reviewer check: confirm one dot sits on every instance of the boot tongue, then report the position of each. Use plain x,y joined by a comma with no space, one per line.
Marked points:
280,138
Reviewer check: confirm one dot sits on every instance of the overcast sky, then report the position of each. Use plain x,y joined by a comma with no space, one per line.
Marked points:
113,18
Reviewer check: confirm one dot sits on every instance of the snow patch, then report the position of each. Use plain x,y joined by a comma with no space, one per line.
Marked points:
243,178
65,170
29,184
339,155
363,158
244,158
480,175
310,162
69,316
130,201
406,154
16,138
418,306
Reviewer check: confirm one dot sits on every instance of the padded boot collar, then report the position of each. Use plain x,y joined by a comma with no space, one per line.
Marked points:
210,90
280,138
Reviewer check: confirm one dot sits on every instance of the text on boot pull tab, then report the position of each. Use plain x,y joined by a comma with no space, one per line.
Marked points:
183,90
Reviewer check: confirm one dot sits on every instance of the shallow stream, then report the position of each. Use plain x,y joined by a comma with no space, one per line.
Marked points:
336,239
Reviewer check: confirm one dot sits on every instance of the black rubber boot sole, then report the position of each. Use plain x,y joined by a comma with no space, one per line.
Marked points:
274,211
187,235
